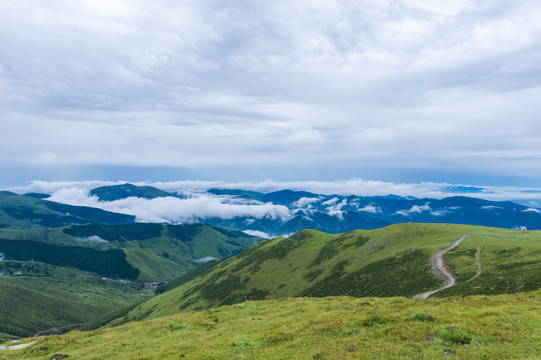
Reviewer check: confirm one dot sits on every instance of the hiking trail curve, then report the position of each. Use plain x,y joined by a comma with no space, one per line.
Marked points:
443,270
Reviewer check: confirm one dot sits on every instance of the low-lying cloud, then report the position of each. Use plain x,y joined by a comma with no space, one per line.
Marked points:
175,210
205,259
258,233
370,209
91,239
305,202
415,209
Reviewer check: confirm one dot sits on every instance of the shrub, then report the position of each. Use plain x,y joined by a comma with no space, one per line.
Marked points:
421,316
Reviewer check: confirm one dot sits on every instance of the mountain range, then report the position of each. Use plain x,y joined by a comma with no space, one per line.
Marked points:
298,210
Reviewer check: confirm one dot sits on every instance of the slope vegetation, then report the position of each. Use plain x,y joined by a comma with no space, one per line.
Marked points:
36,296
477,327
139,251
393,261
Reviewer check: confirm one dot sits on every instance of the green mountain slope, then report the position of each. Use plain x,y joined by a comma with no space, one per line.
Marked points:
139,251
20,211
393,261
36,296
477,327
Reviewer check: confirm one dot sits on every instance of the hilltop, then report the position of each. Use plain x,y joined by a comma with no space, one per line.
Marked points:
393,261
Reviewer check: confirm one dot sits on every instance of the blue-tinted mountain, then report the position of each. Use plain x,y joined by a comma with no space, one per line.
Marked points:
337,213
249,195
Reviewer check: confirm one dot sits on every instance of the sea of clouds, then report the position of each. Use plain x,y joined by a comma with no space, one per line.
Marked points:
197,204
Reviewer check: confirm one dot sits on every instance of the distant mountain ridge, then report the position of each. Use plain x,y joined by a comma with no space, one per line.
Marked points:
340,213
116,192
28,211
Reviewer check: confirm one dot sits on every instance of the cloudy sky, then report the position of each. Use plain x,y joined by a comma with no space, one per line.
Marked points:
397,91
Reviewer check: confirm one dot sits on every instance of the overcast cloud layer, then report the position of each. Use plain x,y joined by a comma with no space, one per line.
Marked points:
359,87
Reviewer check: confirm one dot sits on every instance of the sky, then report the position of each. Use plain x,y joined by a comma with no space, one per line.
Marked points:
395,91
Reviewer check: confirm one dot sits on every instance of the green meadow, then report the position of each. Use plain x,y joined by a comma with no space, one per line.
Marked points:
476,327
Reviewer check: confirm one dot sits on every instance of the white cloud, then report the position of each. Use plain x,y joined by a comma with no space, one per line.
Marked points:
409,85
205,259
91,239
305,201
370,209
331,201
532,210
336,209
491,207
415,209
174,210
338,213
257,233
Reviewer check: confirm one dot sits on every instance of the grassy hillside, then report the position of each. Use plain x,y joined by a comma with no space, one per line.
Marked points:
36,296
478,327
393,261
496,264
139,251
22,212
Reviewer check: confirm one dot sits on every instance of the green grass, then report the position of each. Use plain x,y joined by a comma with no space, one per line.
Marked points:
477,327
509,263
143,252
392,261
45,295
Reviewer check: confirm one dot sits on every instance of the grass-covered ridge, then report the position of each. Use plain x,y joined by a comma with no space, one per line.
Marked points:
478,327
392,261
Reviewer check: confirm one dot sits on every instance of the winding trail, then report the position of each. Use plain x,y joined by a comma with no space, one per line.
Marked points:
441,268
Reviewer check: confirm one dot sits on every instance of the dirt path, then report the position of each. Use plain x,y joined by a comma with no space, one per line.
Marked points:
442,269
478,263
